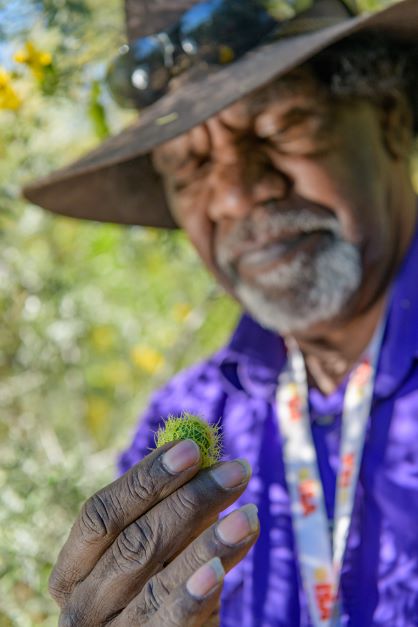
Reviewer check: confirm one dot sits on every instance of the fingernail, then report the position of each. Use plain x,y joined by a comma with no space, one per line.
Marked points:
183,455
238,525
206,578
232,474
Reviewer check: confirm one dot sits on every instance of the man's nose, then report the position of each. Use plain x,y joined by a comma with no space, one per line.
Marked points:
231,195
242,176
239,186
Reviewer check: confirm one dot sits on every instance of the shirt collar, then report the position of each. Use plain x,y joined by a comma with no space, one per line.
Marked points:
255,342
255,356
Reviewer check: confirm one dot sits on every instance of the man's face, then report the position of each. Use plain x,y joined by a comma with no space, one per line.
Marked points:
288,198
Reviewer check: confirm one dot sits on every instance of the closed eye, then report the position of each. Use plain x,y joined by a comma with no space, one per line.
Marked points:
190,173
313,136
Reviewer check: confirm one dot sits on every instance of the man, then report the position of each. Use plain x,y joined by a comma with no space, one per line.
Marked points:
298,198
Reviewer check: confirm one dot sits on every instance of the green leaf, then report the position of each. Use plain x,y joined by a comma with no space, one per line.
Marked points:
97,112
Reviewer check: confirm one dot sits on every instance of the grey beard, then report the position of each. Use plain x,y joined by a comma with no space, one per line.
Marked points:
308,290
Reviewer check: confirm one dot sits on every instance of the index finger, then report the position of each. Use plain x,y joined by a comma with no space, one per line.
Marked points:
105,514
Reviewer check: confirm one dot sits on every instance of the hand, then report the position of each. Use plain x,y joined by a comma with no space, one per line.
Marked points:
145,549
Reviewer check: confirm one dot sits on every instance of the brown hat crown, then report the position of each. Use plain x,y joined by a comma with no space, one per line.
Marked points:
146,17
118,183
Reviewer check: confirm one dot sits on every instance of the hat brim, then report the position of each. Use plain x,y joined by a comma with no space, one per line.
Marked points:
117,182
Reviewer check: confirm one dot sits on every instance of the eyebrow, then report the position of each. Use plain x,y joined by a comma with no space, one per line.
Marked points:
290,118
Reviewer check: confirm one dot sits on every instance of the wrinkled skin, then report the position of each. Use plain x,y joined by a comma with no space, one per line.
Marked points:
289,149
137,542
286,149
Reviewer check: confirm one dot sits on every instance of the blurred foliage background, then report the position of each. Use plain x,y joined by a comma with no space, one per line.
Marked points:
93,317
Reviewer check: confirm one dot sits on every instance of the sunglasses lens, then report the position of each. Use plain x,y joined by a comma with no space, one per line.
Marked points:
214,31
218,31
139,76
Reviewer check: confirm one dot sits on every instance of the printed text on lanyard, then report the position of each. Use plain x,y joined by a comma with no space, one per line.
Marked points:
320,561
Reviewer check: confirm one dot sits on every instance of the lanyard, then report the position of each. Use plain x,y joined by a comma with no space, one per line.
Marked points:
320,560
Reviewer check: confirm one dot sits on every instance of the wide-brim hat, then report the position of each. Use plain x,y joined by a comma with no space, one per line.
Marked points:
118,183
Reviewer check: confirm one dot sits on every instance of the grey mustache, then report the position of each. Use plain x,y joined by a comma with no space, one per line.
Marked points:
269,223
278,222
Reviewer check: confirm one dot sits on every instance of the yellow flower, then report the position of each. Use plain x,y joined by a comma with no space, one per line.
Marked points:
4,77
9,98
45,58
20,56
147,359
36,60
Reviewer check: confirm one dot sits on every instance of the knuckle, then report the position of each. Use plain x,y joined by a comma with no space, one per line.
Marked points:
148,479
195,557
154,593
141,486
59,585
185,501
135,545
55,588
98,518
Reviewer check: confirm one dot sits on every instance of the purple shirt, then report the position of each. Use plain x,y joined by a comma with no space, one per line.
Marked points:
380,571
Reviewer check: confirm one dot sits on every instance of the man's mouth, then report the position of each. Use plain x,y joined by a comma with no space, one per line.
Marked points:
280,251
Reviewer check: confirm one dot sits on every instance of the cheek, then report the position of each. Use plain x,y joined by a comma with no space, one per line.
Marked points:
351,186
189,208
330,185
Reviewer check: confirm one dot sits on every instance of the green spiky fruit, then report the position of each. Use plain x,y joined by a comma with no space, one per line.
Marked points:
188,426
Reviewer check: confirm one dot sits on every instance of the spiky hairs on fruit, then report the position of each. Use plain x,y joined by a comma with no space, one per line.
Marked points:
188,426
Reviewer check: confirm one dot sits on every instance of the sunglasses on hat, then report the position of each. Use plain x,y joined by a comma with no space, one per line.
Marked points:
215,32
